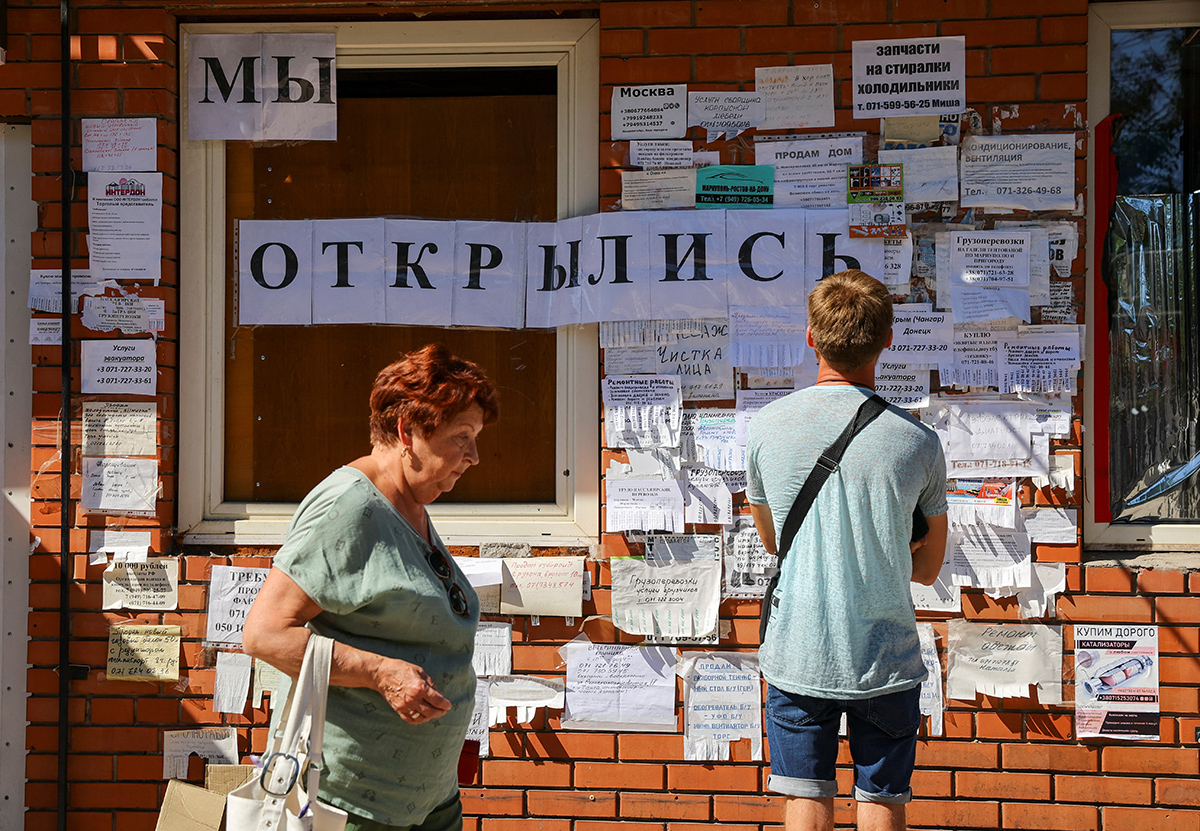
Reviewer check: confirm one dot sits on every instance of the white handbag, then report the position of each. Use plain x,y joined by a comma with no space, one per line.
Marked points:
284,796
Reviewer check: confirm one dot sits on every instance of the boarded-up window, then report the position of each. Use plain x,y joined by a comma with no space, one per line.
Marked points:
444,144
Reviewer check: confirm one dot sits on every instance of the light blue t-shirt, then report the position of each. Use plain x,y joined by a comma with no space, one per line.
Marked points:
844,626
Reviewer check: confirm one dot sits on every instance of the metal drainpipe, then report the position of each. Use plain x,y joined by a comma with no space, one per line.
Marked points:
64,566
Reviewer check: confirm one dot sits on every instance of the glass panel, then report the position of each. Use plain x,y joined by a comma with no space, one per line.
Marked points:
446,145
1155,362
1146,88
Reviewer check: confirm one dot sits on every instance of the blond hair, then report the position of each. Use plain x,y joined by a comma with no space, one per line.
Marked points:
850,316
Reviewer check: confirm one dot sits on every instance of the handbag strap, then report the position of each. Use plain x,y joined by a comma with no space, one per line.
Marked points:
304,718
826,464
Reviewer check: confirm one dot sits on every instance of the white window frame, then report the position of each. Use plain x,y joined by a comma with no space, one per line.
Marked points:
1103,18
572,46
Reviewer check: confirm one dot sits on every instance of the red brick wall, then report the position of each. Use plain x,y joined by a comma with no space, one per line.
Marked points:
1003,763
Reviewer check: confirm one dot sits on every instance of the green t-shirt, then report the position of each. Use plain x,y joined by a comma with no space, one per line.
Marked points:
350,550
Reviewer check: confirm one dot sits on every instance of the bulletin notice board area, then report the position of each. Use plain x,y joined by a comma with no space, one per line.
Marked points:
615,700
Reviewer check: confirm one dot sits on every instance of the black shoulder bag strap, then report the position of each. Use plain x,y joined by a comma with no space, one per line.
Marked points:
826,464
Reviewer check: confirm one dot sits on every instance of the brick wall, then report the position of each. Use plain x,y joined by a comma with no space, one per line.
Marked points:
1003,762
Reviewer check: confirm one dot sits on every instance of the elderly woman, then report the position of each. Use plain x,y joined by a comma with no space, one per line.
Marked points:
363,565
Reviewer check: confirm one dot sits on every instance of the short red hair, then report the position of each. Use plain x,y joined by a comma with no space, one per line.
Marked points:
426,389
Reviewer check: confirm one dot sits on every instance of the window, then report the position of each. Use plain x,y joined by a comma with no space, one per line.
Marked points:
492,120
1143,383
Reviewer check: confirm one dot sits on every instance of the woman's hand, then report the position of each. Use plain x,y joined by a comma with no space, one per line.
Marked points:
409,691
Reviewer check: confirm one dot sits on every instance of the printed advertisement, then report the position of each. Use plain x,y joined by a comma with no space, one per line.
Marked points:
1116,682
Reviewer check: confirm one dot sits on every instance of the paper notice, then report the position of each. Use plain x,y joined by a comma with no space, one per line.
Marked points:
715,434
749,402
699,358
143,653
1061,308
1056,526
651,190
763,336
748,566
120,487
919,336
904,385
231,590
1004,660
1000,430
897,263
795,97
989,557
643,505
1049,581
125,546
266,679
642,411
942,596
526,693
687,548
933,72
125,226
673,600
649,112
1030,172
990,258
722,703
45,332
45,289
131,314
119,144
1116,682
481,571
722,113
233,682
542,586
931,687
619,687
119,367
152,585
972,360
477,730
119,428
659,154
706,498
930,173
216,744
493,648
1038,364
810,172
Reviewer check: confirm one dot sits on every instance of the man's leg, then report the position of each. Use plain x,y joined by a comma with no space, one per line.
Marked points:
803,736
808,814
880,816
883,744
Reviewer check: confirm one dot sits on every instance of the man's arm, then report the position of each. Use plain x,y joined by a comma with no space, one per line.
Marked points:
765,524
928,557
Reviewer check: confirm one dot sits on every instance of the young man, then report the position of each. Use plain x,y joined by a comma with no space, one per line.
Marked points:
843,637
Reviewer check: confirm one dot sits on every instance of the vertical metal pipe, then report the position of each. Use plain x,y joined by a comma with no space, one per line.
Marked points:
64,566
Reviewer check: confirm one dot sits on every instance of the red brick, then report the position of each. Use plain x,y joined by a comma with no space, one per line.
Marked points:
563,745
617,775
1006,726
1174,792
1185,640
645,746
665,805
793,39
1173,670
1013,32
1160,581
1050,817
622,42
524,824
115,739
1150,819
1030,786
646,13
952,755
1039,59
1102,790
1088,609
1178,609
1063,29
742,12
748,808
1150,760
498,772
1054,758
694,41
712,778
599,825
572,803
492,801
953,814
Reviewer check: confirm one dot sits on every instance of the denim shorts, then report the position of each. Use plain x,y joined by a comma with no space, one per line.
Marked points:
802,732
